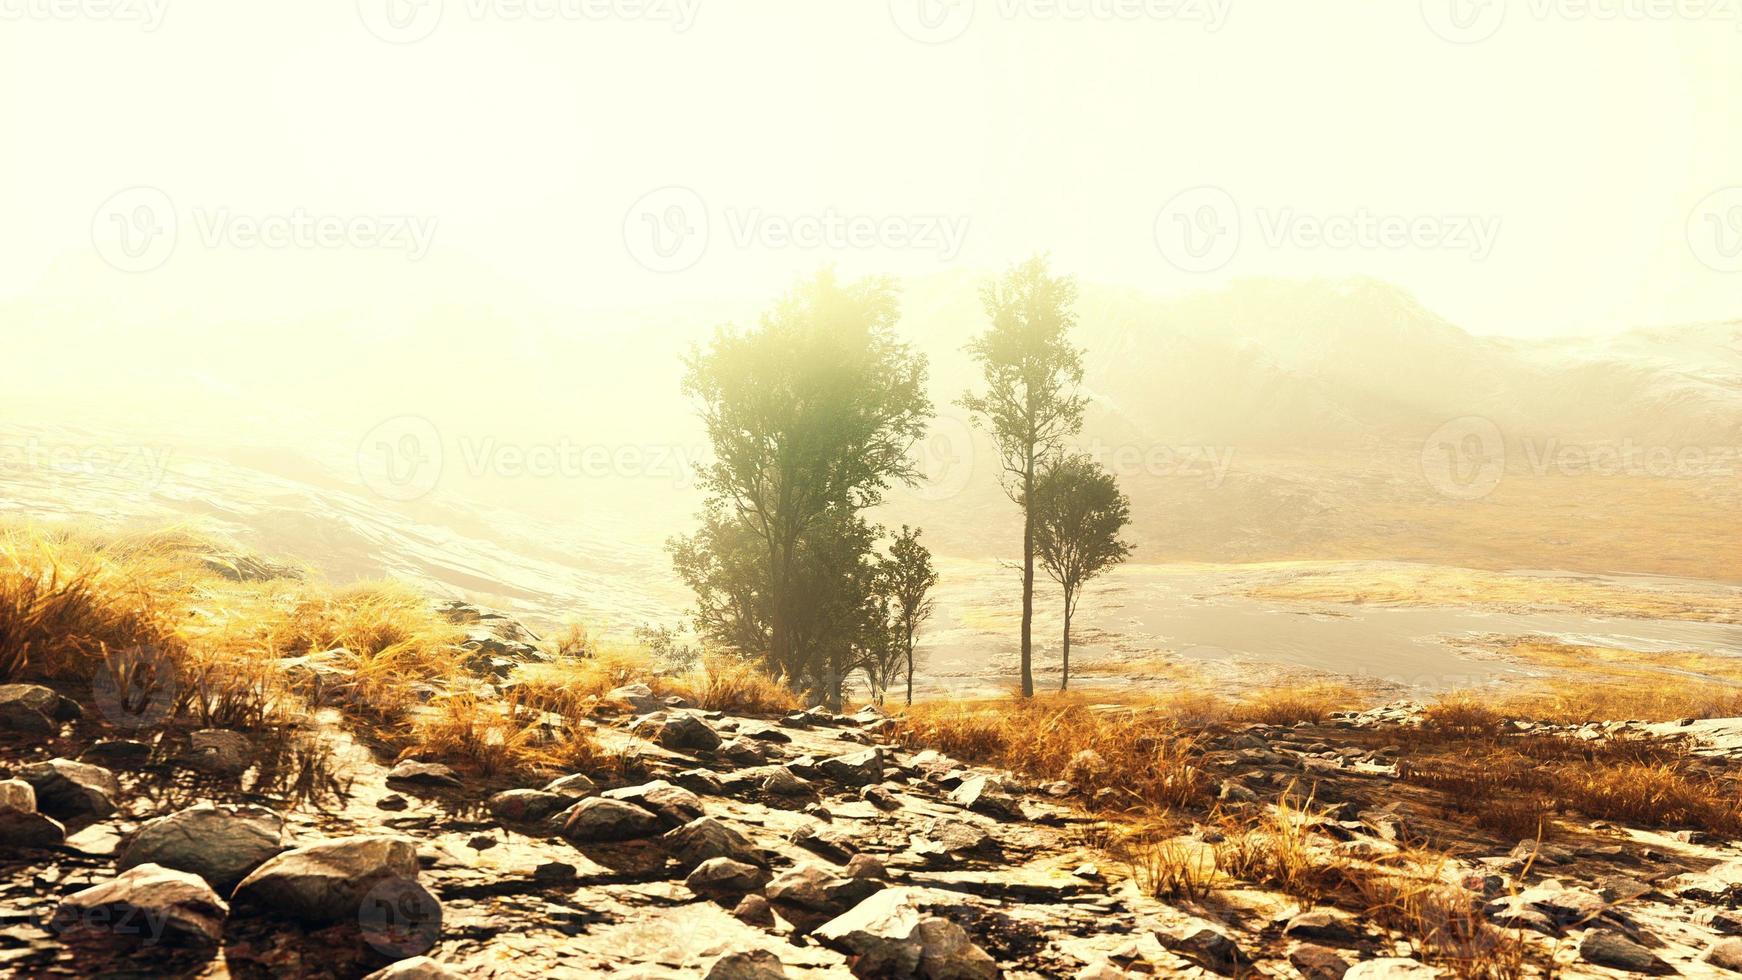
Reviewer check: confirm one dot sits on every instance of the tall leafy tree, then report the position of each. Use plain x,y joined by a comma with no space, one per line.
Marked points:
1030,404
1079,512
908,578
811,416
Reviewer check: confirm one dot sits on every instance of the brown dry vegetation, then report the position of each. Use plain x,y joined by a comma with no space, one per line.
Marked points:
162,620
1144,757
1413,893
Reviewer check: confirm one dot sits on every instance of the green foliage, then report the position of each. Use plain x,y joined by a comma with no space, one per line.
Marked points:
1079,512
908,577
670,652
811,417
1030,404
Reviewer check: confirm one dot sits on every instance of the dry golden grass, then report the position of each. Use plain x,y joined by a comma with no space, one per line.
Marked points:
1512,785
732,685
1294,704
1411,893
1171,869
1461,714
1661,699
491,738
156,618
62,607
1144,758
1651,795
1603,683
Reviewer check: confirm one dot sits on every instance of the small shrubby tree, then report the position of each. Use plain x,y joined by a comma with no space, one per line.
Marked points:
1079,512
908,580
901,602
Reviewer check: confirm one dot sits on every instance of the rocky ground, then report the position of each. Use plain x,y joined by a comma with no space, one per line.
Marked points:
734,847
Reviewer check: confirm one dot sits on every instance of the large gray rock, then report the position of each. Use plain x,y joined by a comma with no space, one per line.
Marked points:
526,805
1317,962
812,892
755,964
947,841
744,751
575,786
1606,947
705,838
34,709
144,905
1204,945
494,643
856,768
427,774
600,820
21,826
781,782
639,698
65,788
220,844
889,936
674,805
983,794
327,882
723,877
1325,925
219,750
1726,954
683,731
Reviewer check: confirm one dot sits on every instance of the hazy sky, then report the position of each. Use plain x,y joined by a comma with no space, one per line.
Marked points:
1525,167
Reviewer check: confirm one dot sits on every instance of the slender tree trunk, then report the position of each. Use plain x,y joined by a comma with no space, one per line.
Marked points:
910,673
1028,578
1065,674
